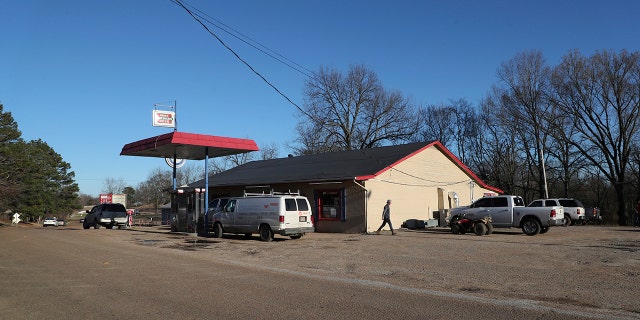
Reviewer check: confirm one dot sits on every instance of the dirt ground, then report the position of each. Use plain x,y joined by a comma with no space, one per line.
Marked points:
583,266
580,267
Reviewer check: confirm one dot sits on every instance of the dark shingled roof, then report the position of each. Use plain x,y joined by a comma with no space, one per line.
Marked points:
332,166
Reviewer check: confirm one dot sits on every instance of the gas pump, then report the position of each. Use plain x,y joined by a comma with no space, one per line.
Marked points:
187,208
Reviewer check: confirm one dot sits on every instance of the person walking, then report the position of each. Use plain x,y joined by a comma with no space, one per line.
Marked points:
386,218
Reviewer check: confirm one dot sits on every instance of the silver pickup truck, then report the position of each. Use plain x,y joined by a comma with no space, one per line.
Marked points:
509,212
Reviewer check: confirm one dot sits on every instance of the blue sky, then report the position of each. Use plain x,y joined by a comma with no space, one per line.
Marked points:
84,75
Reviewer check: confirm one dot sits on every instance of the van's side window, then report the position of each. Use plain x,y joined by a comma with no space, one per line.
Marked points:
302,205
290,205
231,206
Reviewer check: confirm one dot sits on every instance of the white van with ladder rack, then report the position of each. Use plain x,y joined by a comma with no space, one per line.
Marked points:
286,214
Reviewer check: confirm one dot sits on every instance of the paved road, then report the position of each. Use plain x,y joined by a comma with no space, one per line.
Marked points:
71,273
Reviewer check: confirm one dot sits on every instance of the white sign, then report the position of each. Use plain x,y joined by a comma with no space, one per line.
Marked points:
163,118
179,162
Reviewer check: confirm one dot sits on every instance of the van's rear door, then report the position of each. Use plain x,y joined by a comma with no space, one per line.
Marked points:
297,213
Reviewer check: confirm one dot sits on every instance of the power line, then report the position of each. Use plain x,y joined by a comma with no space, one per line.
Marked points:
179,3
253,43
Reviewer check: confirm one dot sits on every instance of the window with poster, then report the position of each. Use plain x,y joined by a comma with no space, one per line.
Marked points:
331,205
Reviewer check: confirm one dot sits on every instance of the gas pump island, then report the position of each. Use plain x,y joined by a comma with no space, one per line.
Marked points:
187,205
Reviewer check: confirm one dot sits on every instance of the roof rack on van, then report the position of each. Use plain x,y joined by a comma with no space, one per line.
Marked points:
271,193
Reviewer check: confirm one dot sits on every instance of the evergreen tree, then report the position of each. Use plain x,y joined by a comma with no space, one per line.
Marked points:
34,179
9,135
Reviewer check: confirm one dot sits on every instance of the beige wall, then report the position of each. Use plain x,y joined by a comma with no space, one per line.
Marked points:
413,186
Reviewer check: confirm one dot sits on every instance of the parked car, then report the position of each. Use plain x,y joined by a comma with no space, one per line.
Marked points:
592,215
573,208
216,205
50,222
61,222
286,214
107,215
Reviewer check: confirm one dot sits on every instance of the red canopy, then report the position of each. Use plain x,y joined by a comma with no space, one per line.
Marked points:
188,146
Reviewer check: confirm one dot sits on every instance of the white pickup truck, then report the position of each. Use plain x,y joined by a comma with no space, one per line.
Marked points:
509,212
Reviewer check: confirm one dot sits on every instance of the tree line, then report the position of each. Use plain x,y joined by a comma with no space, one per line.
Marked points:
570,130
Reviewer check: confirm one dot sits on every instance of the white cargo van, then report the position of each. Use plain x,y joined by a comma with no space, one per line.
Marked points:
287,214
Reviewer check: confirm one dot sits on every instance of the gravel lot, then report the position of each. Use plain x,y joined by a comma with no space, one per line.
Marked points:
578,267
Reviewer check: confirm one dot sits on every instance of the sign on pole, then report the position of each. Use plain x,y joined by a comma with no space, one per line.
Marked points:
163,118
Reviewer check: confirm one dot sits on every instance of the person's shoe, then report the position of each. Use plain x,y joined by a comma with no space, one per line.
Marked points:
378,232
393,233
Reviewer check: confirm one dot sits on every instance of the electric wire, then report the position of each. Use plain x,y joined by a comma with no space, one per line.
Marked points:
253,43
200,17
179,3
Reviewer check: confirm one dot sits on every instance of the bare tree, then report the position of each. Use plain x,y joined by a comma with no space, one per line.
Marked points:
524,86
602,94
439,124
217,165
494,153
269,151
188,173
154,189
113,185
353,111
466,127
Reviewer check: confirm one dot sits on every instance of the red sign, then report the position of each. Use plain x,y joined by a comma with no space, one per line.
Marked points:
106,198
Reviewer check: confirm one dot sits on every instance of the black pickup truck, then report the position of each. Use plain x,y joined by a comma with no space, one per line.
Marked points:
107,215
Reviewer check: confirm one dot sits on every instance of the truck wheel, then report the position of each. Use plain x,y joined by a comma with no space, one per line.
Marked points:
217,230
455,229
480,229
544,230
489,228
265,233
568,221
531,227
88,221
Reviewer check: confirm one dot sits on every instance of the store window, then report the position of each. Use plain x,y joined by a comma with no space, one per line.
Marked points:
330,204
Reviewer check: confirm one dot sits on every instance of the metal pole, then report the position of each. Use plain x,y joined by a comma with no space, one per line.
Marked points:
175,110
175,182
206,190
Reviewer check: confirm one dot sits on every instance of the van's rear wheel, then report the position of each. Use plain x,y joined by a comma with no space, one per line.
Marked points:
265,233
217,230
